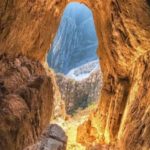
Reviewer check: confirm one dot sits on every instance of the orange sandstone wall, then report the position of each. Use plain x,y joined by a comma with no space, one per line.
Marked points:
123,29
26,101
122,114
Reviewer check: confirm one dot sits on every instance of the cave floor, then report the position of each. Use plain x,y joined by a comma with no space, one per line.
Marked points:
71,124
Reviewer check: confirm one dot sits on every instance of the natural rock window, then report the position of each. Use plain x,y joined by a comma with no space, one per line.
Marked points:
73,57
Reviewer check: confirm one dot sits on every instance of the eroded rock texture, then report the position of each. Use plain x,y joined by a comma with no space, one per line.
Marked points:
79,94
121,109
123,29
26,101
59,110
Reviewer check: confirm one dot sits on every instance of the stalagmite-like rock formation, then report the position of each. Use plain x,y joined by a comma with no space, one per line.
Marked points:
123,28
59,110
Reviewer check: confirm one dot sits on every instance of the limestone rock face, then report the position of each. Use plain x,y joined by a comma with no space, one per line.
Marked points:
79,94
123,29
26,101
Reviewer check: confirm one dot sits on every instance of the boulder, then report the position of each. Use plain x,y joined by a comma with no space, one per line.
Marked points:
53,138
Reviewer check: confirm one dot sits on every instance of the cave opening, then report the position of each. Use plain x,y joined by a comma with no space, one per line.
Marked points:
75,64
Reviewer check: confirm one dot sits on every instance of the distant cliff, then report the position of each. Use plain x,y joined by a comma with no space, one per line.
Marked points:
79,93
76,41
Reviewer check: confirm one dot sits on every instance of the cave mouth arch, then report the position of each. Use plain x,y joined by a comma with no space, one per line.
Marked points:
73,57
73,52
28,27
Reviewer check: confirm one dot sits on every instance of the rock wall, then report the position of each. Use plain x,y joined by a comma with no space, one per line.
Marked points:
59,109
26,101
79,94
123,29
124,44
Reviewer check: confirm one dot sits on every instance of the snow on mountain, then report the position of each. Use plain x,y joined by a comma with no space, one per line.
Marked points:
84,71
